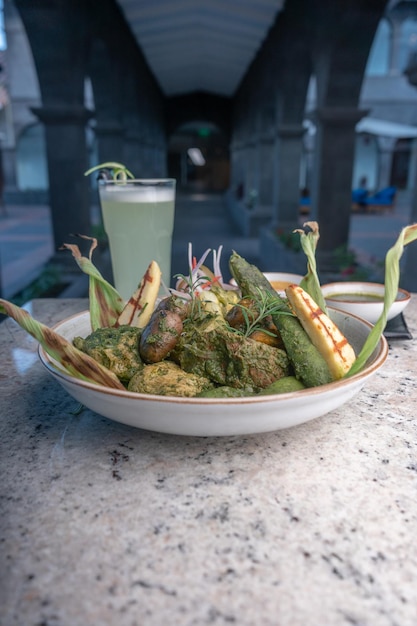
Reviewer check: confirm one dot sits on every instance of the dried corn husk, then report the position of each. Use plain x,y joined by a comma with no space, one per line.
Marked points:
309,237
392,278
75,362
106,304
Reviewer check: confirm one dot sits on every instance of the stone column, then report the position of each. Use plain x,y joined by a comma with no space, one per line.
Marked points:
133,151
58,33
394,63
409,275
266,174
332,179
286,178
109,141
105,74
409,278
386,147
252,166
67,162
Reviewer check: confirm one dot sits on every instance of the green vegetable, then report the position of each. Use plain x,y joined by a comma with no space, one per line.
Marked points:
105,302
309,237
74,361
283,385
392,277
309,366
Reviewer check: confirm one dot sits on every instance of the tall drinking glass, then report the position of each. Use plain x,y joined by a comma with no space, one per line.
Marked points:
138,217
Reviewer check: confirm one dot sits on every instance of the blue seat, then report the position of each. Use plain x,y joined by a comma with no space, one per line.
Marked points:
305,205
359,196
382,199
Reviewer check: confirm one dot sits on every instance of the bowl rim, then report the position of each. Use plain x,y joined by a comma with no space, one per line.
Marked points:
293,274
373,287
54,368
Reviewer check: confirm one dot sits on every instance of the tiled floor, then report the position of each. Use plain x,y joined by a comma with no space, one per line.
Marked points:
25,246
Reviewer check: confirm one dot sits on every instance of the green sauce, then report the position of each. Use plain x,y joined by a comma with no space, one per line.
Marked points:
356,297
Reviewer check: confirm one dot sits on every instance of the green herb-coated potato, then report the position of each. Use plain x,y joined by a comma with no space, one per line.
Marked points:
115,348
283,385
168,379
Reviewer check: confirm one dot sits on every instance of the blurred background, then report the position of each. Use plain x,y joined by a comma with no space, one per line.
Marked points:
267,112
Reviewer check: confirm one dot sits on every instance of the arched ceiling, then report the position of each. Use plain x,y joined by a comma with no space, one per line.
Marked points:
200,45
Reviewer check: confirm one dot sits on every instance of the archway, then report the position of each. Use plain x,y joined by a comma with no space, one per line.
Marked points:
198,157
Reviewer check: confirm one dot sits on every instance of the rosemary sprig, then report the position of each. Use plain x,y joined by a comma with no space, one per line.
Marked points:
265,305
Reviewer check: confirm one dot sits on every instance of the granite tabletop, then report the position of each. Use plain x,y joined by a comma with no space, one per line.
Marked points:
106,524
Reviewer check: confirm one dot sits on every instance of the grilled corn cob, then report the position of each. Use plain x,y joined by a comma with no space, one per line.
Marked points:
140,306
323,332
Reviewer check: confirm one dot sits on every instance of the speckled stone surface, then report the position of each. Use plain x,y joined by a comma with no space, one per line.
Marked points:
106,524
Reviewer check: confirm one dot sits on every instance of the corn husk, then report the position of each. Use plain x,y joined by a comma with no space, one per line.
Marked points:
73,361
309,237
392,278
106,304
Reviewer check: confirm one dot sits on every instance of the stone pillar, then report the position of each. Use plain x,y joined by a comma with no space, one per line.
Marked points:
67,162
252,166
133,151
409,278
105,74
266,174
288,151
409,275
133,119
332,179
58,33
386,147
394,63
109,141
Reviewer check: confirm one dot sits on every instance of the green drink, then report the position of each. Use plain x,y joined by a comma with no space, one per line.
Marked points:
138,217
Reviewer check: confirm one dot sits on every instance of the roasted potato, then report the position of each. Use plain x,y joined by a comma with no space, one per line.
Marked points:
174,304
160,335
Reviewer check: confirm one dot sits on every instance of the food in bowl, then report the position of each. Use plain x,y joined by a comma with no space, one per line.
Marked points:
365,299
327,356
205,417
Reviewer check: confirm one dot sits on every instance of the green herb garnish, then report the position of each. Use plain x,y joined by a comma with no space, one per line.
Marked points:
117,171
265,305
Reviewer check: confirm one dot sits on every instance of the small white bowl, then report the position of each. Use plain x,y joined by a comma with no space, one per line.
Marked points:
281,280
363,299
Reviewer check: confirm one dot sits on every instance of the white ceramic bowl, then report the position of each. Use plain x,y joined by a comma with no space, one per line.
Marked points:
281,280
363,299
217,416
